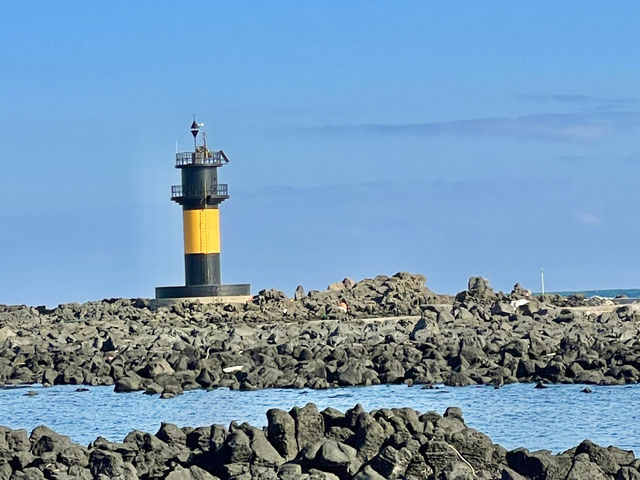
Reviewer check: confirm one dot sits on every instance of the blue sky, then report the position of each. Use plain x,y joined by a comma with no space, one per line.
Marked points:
447,138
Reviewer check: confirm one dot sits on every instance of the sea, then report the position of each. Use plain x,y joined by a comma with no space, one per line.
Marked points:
611,293
518,415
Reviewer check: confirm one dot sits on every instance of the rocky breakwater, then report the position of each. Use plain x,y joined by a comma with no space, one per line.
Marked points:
304,443
381,330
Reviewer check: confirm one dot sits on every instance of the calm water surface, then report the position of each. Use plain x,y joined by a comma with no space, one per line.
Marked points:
556,418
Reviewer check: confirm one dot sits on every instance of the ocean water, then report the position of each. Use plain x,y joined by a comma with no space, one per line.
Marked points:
628,292
556,418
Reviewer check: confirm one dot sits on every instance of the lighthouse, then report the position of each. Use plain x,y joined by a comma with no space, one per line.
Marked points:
200,196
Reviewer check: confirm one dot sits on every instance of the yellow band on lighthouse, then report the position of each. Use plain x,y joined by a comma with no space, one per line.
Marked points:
202,231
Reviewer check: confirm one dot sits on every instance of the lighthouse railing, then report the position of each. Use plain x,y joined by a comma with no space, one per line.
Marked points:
215,159
219,190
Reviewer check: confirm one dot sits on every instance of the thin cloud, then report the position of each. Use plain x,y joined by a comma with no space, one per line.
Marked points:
571,98
576,98
589,219
576,127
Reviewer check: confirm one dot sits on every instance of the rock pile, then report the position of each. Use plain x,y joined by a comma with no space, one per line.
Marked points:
316,341
401,294
305,444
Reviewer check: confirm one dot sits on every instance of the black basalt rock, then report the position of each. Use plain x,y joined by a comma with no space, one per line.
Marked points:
397,443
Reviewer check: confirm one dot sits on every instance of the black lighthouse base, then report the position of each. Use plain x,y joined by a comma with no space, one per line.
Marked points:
229,290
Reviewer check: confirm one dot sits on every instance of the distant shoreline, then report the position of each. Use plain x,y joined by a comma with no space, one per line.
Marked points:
604,293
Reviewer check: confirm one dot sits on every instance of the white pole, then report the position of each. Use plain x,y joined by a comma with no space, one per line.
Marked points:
542,279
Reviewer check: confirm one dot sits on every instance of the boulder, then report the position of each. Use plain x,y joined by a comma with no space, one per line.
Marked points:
628,473
425,328
390,462
130,383
237,448
453,412
600,456
315,474
264,453
30,473
459,379
368,473
309,425
479,288
519,292
439,456
281,432
583,469
508,474
5,333
44,440
369,436
332,456
299,293
155,368
171,434
191,473
538,465
111,465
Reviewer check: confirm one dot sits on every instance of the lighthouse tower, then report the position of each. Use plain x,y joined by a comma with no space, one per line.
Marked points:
200,196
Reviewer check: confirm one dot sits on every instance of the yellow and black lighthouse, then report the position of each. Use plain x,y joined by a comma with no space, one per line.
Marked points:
200,195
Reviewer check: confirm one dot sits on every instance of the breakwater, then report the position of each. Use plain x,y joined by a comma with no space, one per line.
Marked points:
305,443
393,330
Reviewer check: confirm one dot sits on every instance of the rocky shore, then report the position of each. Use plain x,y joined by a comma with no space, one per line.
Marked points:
381,330
398,443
